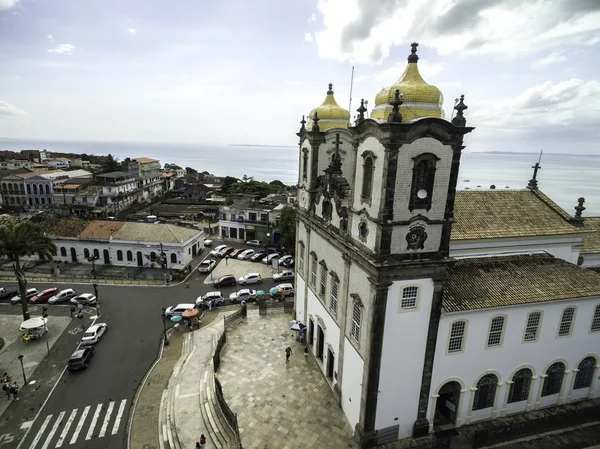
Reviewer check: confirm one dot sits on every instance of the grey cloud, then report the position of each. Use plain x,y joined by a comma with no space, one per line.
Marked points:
371,14
8,110
462,16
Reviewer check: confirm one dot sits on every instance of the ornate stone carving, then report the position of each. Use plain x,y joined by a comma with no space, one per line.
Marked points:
415,239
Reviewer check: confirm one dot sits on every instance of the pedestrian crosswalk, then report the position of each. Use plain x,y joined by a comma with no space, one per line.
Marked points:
99,421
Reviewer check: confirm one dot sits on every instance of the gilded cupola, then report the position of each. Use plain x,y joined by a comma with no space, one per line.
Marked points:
419,99
330,114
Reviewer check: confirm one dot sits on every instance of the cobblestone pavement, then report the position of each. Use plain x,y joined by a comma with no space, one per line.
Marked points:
279,405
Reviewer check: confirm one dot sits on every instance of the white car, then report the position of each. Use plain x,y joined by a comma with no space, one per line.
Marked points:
250,278
244,294
253,243
270,257
86,299
205,300
31,292
178,309
93,334
285,275
247,254
208,242
215,252
206,266
63,295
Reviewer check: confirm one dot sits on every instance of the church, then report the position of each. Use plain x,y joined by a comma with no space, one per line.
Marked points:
430,308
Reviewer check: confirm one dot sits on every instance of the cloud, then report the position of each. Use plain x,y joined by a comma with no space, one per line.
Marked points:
49,37
7,109
7,4
308,37
63,49
312,18
364,31
131,30
552,58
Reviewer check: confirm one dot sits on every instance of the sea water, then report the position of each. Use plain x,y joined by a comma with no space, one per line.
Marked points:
563,177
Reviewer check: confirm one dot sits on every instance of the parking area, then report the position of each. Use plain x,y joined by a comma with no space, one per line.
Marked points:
239,268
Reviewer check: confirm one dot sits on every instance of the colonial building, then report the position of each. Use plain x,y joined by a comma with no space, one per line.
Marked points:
428,308
147,172
39,190
119,190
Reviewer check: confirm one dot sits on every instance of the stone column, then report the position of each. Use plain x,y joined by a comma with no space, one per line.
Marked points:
571,383
561,393
532,386
540,388
505,402
470,410
496,396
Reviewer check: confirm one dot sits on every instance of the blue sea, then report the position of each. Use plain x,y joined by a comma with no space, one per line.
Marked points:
563,177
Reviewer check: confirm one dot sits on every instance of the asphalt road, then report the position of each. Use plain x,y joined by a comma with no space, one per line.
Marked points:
90,408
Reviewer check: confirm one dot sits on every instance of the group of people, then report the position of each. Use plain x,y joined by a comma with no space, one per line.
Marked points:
8,388
202,443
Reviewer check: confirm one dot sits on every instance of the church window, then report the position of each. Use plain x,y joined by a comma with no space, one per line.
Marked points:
356,319
305,164
86,253
129,256
119,255
554,377
28,189
367,185
313,272
410,296
363,231
584,376
566,322
519,389
457,336
496,331
35,189
486,392
423,181
301,259
334,294
532,327
96,254
323,286
63,251
595,327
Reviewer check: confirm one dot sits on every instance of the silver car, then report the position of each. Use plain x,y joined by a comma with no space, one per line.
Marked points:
93,334
86,299
31,292
63,295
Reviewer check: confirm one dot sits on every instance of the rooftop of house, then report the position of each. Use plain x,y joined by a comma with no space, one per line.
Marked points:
114,174
488,214
591,241
498,281
144,160
64,227
14,171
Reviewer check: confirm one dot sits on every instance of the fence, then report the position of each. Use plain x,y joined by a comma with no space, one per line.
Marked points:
229,415
220,344
287,305
232,319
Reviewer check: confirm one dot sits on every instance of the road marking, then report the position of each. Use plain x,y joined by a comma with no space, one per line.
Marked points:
66,429
106,419
115,428
93,424
26,425
79,425
40,432
53,431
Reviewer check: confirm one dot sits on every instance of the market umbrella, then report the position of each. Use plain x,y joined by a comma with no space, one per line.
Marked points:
176,319
275,290
260,293
190,313
296,325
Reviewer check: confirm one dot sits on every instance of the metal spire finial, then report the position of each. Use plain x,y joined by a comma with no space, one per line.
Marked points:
459,119
361,111
533,184
395,116
303,122
315,126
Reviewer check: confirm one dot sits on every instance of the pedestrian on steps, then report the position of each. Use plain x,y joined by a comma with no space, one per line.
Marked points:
288,353
15,391
202,444
306,353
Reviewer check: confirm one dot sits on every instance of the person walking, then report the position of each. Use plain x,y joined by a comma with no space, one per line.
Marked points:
306,353
202,444
288,353
15,391
6,388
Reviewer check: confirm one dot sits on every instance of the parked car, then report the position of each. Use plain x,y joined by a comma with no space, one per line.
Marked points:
87,299
228,279
80,358
215,252
282,290
207,265
63,295
244,294
246,254
94,333
284,259
267,259
226,251
205,300
258,256
208,242
178,309
256,243
285,275
8,292
236,252
250,278
44,295
288,263
29,293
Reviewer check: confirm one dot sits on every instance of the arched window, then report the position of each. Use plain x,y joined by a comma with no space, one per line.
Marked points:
153,256
423,181
28,189
553,381
566,322
63,251
173,258
595,327
129,256
37,200
519,389
496,331
30,200
86,253
533,326
41,189
47,189
43,200
119,255
584,377
457,336
12,200
367,185
35,189
356,320
305,164
96,254
486,392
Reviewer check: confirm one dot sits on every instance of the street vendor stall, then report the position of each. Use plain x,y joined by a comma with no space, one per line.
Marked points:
34,328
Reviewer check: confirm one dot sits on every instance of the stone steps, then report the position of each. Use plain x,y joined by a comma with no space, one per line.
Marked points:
218,428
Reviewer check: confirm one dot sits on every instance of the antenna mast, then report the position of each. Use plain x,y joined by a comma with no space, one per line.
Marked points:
350,103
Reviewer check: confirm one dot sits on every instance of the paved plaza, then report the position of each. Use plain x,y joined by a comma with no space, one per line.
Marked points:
279,405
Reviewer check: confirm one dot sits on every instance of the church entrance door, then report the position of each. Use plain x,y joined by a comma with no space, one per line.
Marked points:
330,360
447,404
311,332
320,342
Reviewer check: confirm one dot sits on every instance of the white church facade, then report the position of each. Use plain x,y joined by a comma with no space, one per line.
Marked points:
430,308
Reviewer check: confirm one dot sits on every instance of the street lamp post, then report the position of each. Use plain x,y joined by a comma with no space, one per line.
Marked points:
45,318
23,369
93,259
164,317
268,241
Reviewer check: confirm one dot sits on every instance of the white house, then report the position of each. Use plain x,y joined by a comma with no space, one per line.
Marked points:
59,163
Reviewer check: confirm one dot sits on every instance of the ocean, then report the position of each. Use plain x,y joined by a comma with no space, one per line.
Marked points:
563,177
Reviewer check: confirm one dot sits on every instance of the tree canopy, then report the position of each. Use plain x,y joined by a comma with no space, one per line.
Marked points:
249,186
172,167
287,224
111,164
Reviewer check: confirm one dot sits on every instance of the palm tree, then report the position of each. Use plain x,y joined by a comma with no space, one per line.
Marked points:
24,238
110,164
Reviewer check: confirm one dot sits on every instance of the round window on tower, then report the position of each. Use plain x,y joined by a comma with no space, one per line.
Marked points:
422,194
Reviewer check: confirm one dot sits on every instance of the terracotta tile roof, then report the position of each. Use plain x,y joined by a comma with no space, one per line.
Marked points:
591,241
484,282
144,160
149,232
99,229
486,214
64,227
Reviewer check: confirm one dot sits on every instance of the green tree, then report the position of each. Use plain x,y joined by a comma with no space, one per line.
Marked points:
227,183
111,164
20,239
287,225
172,167
277,183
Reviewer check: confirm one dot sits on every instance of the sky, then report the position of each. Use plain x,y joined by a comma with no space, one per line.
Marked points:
235,71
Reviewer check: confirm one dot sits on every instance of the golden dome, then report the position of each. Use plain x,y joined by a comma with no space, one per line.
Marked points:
331,115
419,98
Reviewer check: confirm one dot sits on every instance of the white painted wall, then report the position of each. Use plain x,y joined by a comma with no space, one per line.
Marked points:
351,383
404,341
476,360
317,312
373,145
